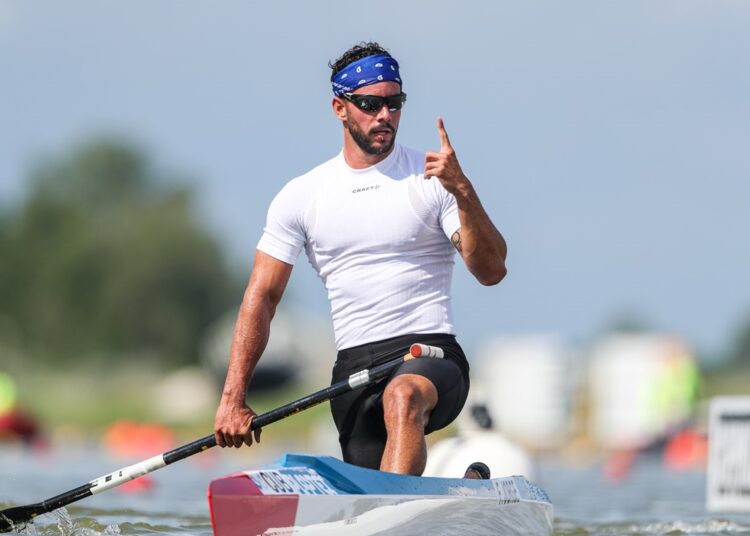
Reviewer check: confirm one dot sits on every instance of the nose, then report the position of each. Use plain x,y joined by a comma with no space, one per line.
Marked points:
384,114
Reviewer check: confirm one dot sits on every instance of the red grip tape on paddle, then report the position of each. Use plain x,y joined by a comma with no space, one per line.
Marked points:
425,350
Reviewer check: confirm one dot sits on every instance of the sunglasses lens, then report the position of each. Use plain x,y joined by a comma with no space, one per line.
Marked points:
396,102
371,103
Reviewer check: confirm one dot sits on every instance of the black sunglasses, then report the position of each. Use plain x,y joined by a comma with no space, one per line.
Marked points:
373,103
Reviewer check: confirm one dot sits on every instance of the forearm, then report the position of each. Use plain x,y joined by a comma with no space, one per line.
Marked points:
232,424
248,343
481,245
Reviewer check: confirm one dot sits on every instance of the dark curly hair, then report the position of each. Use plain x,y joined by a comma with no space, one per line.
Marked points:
357,52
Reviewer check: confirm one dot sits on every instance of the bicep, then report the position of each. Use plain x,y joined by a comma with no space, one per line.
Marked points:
451,223
269,277
448,216
456,241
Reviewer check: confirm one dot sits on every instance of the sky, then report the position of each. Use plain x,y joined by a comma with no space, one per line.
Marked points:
608,140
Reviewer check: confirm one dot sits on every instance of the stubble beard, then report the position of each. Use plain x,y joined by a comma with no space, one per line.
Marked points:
363,140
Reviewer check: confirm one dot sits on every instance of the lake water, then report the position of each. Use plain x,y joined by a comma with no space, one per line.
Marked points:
650,501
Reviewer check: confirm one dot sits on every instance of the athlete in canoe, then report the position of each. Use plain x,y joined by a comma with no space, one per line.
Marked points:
380,224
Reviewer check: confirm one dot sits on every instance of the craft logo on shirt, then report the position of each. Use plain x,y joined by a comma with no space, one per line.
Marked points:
365,188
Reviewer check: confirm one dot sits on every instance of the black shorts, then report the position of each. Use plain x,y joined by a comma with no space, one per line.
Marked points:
358,414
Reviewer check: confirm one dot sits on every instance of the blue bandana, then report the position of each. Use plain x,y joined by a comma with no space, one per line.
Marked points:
369,70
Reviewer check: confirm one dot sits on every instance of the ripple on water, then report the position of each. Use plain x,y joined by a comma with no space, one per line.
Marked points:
61,523
121,522
707,527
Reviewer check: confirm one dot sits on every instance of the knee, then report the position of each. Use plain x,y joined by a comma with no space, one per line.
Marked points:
405,401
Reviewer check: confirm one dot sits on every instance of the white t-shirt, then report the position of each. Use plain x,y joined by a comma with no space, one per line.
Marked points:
378,239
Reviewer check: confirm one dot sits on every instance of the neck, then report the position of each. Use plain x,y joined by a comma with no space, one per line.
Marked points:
356,158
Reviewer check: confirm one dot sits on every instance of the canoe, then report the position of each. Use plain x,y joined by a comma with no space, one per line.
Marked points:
301,494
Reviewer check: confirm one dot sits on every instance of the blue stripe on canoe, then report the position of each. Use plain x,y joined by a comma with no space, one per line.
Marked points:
355,480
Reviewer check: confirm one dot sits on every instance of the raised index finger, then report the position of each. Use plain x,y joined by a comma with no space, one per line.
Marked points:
445,143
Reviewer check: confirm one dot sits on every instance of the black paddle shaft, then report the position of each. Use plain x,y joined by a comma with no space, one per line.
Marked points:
274,415
16,517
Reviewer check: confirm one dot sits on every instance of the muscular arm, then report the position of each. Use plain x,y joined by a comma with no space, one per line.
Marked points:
478,241
264,290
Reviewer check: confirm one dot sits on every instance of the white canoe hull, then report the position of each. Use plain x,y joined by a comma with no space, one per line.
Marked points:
308,495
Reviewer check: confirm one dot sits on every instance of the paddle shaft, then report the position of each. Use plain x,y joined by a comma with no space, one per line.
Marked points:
19,515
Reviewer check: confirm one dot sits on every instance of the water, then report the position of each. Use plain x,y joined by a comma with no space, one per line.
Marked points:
650,501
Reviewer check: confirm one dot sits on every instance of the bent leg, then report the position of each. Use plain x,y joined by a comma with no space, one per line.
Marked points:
359,420
408,401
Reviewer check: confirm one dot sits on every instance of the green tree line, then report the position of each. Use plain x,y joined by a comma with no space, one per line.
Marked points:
105,257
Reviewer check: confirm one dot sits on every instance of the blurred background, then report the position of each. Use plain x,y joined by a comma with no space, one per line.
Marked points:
141,143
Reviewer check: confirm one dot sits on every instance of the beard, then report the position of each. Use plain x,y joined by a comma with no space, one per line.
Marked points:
365,141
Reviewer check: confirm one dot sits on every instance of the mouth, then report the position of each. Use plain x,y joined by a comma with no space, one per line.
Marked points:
382,132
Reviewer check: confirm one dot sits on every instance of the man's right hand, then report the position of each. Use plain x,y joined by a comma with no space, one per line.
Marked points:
232,425
263,293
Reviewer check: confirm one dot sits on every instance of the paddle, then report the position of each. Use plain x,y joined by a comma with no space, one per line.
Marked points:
16,517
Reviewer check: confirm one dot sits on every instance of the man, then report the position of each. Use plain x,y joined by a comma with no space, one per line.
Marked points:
380,223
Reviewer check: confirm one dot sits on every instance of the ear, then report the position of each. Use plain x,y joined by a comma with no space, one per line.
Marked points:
339,108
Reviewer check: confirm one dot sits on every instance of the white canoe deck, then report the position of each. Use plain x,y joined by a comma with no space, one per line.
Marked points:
307,495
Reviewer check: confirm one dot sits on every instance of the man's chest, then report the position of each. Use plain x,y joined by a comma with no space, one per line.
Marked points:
370,216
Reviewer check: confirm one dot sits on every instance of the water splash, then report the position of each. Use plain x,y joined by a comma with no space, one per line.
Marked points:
60,523
13,526
64,521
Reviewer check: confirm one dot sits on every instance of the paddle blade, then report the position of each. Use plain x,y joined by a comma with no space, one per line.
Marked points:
15,518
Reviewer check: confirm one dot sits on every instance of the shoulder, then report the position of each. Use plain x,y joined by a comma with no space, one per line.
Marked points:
407,163
411,157
413,161
301,189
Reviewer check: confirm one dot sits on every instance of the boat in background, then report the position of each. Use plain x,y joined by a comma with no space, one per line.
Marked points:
301,494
